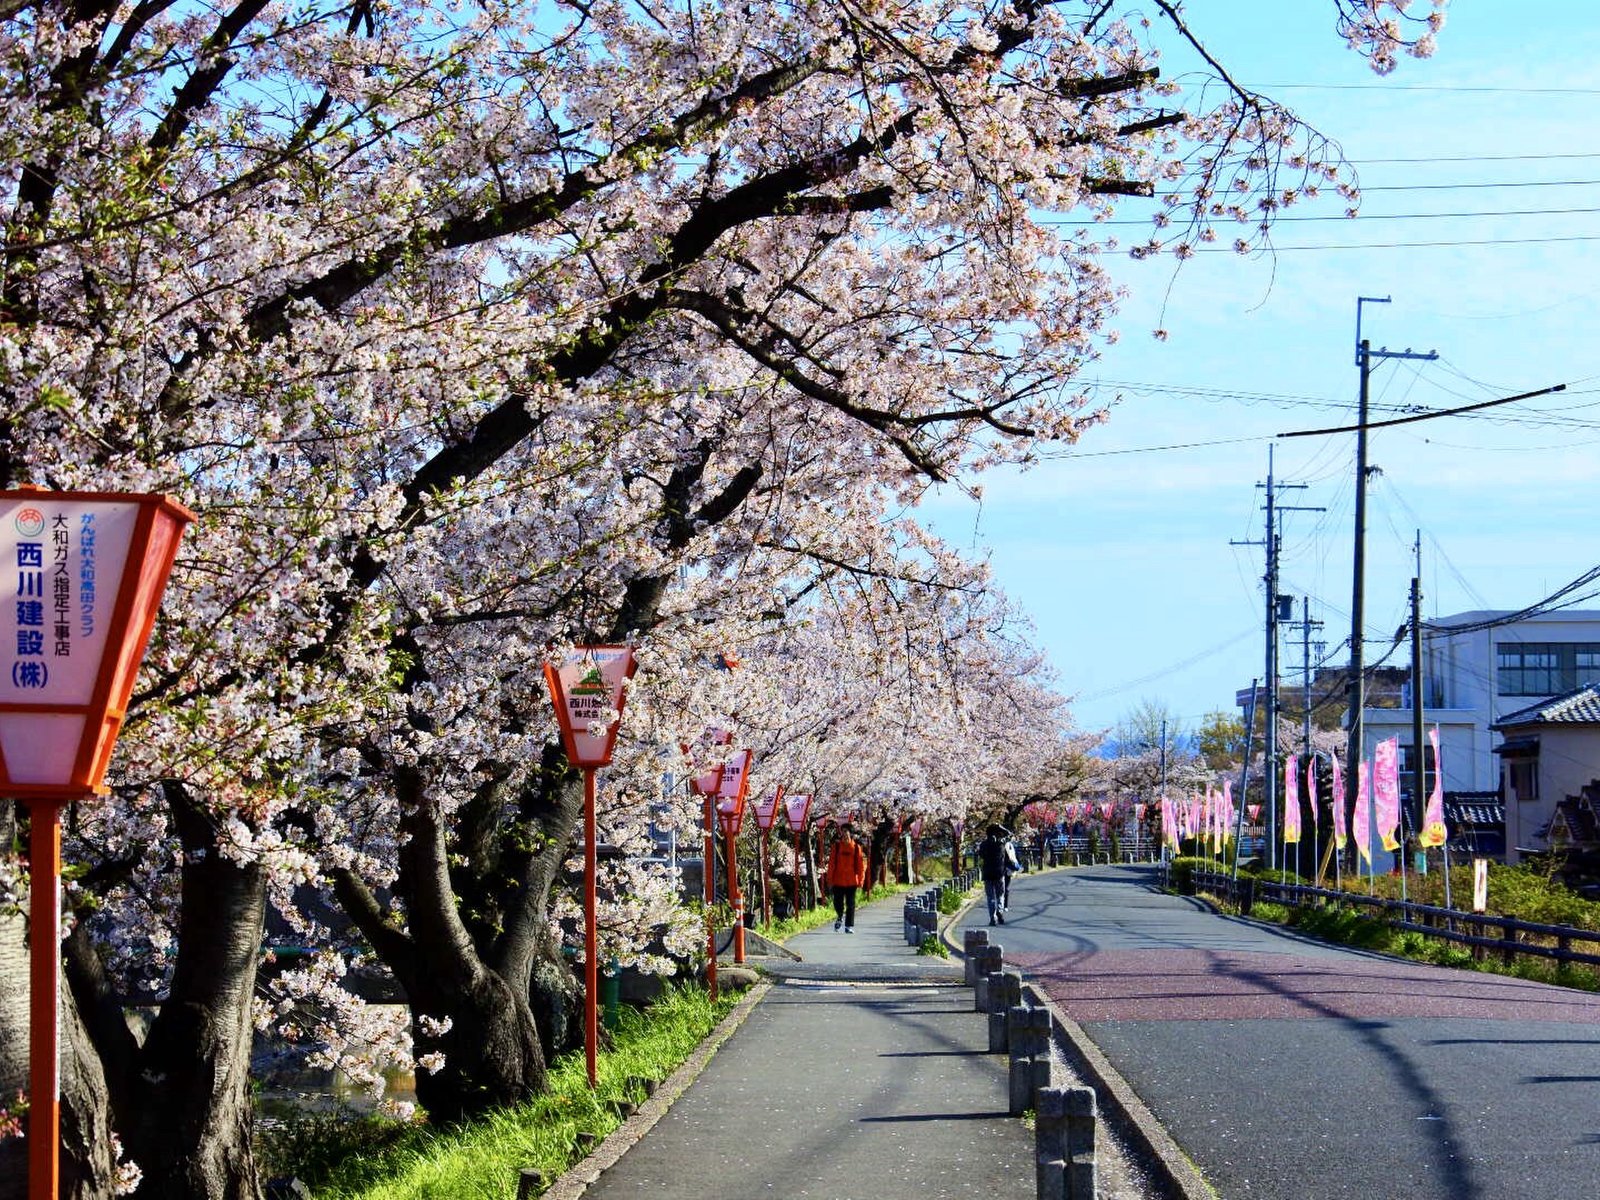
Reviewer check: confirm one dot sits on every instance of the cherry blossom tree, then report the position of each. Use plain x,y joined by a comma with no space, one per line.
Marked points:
474,330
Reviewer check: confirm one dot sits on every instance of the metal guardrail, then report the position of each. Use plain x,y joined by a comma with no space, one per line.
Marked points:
1075,852
1447,924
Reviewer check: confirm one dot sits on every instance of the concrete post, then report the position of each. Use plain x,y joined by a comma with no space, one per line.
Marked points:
1010,991
984,963
994,992
973,940
1064,1133
1028,1078
1029,1035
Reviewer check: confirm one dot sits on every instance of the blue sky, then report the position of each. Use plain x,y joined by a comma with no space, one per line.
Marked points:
1121,553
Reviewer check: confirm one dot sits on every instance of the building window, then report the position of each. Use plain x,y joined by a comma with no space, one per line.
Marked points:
1408,765
1523,775
1545,668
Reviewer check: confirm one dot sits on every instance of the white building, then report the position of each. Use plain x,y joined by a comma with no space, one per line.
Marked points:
1480,667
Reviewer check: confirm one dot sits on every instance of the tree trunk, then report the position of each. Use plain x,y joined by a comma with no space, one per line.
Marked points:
13,1049
493,1052
185,1101
878,858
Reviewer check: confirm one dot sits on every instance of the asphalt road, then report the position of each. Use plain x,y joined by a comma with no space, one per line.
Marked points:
1293,1070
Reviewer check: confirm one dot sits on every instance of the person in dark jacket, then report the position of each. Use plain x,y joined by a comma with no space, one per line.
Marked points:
992,869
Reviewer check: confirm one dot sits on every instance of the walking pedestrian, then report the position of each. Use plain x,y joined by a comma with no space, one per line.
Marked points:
992,869
847,870
1010,867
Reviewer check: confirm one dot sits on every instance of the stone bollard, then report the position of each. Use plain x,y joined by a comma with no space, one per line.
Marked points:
972,940
1010,991
1028,1034
988,975
1003,995
1064,1135
529,1183
1028,1079
927,925
1030,1031
983,961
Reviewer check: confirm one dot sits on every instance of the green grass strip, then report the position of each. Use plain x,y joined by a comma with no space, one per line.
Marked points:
371,1159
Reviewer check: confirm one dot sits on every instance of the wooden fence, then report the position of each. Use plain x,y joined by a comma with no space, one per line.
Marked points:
1508,937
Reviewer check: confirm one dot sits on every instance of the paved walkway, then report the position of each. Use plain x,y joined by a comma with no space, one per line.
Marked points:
862,1074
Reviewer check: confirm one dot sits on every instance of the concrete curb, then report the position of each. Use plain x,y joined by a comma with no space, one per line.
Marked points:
1163,1157
577,1178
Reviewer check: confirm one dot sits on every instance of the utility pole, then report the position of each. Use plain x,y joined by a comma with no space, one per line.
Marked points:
1280,609
1306,626
1163,757
1358,697
1413,819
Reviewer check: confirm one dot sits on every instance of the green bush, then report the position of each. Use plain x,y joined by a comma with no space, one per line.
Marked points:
949,900
1339,924
933,947
1256,871
1181,872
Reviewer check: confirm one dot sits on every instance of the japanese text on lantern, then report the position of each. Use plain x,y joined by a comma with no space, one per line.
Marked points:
28,668
55,554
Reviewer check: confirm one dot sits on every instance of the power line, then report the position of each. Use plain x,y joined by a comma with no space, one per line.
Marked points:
1069,454
1469,158
1426,87
1173,669
1428,416
1399,245
1427,216
1561,598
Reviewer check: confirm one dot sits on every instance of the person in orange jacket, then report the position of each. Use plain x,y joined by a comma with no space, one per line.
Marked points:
847,870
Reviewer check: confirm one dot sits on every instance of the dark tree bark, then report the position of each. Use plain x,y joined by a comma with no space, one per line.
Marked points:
498,978
878,851
182,1097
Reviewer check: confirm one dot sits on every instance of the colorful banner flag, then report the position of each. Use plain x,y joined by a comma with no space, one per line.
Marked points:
1434,832
1386,790
1291,799
1336,802
1225,812
1311,788
1362,818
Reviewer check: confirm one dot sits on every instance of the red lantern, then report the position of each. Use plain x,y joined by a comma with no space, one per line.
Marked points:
766,815
796,809
707,785
588,691
84,573
89,569
730,811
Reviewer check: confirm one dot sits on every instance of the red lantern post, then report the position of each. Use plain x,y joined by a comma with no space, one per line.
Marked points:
588,691
730,810
706,786
84,576
796,809
766,813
